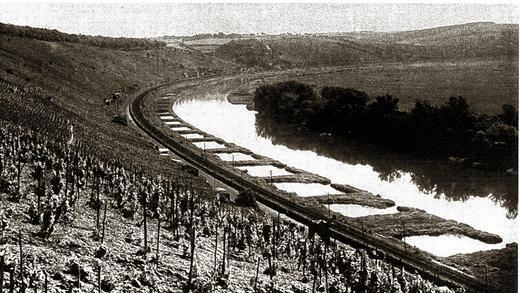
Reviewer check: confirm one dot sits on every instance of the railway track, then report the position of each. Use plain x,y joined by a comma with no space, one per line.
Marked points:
343,232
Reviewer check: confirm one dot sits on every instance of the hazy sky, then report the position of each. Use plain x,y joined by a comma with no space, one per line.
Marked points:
156,19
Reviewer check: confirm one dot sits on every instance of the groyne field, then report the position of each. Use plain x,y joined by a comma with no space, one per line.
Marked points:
382,231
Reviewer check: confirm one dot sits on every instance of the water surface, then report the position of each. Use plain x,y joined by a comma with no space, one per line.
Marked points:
181,128
307,189
235,157
480,208
208,145
354,210
192,135
448,245
167,117
264,171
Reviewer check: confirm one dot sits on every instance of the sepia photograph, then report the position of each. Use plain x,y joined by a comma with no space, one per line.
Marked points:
254,147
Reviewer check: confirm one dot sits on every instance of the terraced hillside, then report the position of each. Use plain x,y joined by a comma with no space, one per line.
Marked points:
89,85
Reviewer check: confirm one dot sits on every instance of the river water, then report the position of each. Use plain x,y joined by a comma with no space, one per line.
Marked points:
483,207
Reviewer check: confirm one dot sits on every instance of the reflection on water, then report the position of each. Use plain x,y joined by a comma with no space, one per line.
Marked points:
438,177
354,210
458,244
431,187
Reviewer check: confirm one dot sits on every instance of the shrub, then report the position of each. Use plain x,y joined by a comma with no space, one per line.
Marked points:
120,120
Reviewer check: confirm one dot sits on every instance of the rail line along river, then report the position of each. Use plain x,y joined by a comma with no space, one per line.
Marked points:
236,124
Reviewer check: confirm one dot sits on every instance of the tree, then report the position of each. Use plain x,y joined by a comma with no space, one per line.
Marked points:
509,115
344,108
457,112
384,105
451,129
288,101
346,98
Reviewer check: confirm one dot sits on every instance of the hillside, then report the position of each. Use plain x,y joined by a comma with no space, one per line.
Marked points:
481,40
459,42
445,35
486,84
478,61
89,85
96,41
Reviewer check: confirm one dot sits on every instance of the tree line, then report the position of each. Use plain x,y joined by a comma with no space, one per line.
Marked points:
449,130
96,41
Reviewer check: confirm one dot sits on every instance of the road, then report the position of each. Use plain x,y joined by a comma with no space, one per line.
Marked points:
343,232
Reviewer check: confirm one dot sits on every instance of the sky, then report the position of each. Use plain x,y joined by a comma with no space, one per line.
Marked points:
133,19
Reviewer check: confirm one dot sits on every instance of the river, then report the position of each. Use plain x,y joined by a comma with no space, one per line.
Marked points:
485,202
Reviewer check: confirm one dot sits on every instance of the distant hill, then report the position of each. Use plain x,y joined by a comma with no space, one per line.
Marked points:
481,39
473,40
442,35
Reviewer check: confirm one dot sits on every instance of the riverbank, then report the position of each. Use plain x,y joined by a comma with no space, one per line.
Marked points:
351,195
240,97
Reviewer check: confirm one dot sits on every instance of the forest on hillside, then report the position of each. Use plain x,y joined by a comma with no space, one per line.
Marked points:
96,41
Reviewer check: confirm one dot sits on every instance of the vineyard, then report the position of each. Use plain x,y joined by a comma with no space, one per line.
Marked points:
72,220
